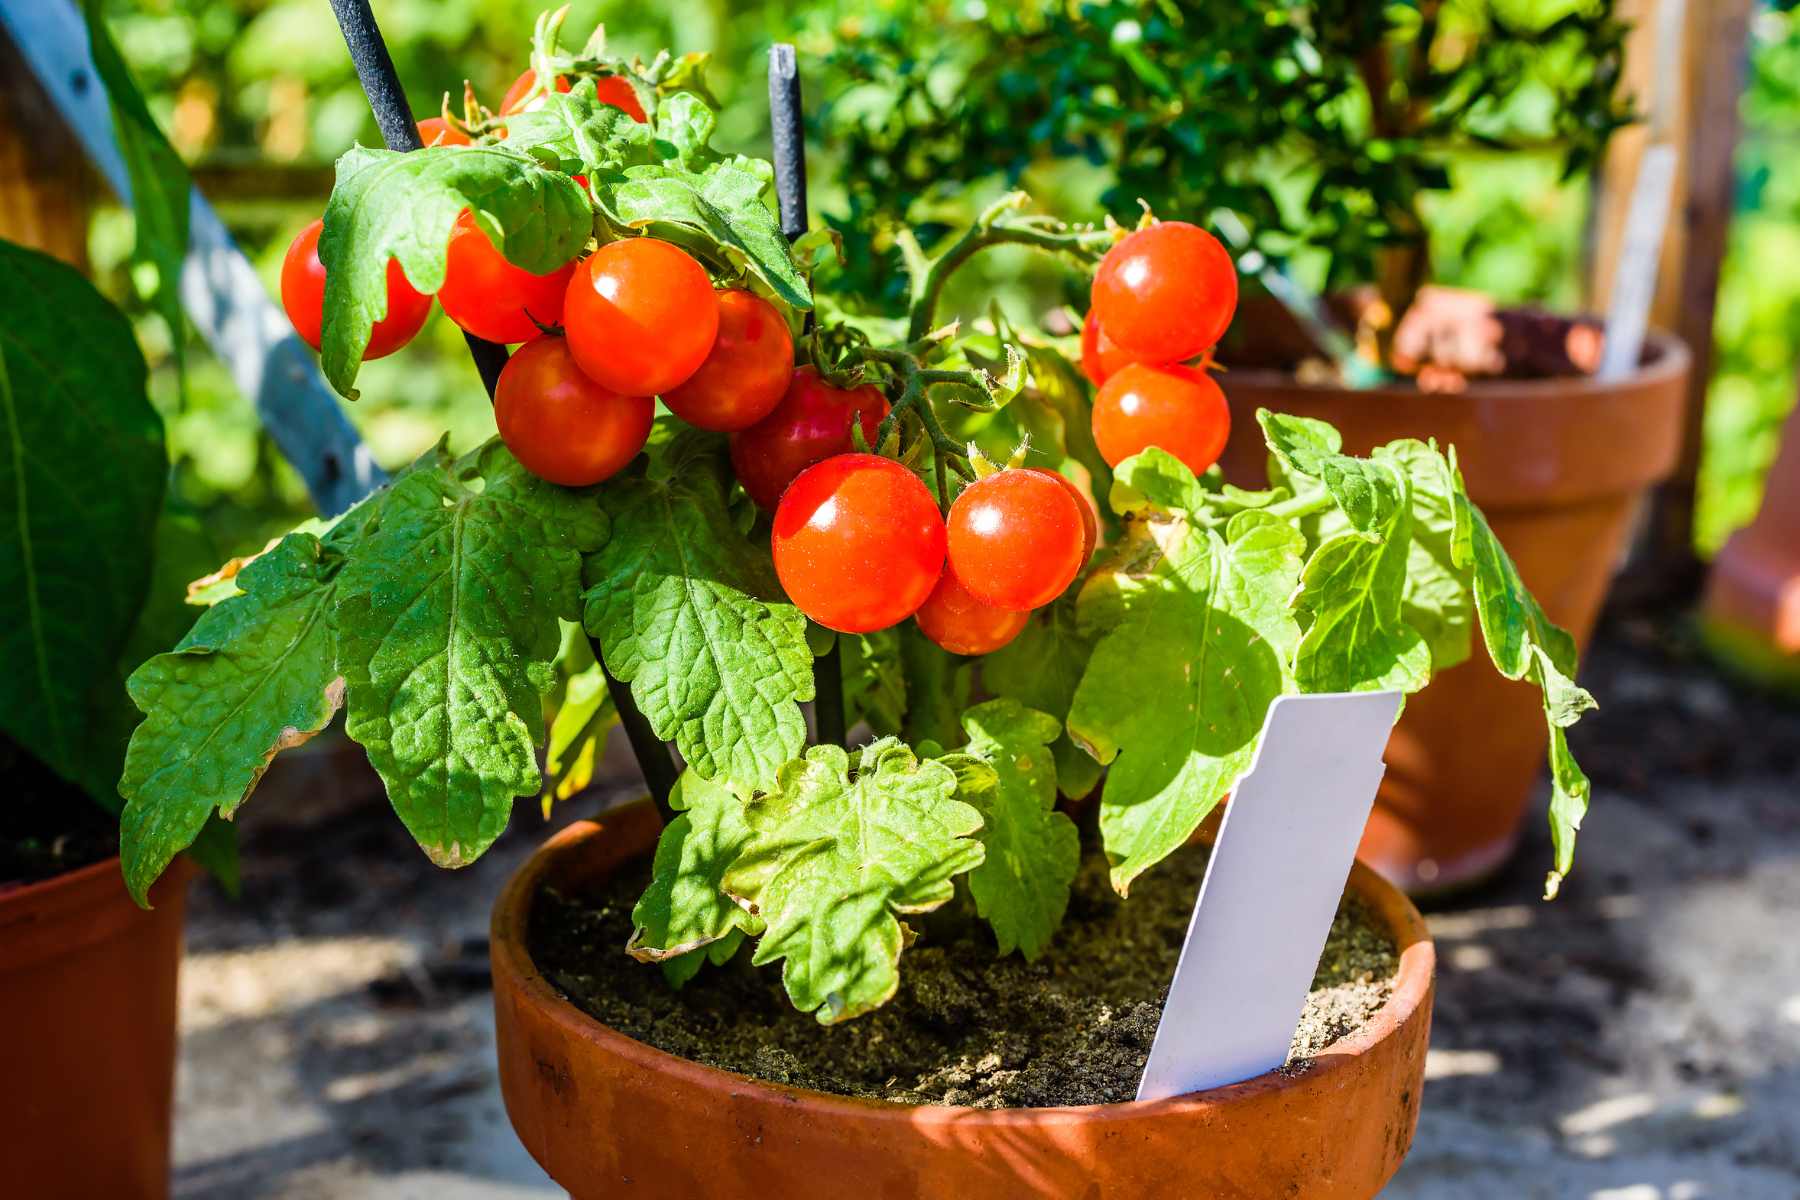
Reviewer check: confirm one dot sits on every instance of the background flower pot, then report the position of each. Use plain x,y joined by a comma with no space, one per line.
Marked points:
1560,467
87,1035
606,1115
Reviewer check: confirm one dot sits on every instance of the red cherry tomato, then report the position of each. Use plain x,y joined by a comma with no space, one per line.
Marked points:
1016,539
749,369
1179,409
1166,293
489,297
809,424
303,295
435,131
1100,355
858,543
1090,524
561,425
641,316
609,89
961,624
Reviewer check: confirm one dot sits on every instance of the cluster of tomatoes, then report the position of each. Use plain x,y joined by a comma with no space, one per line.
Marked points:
858,540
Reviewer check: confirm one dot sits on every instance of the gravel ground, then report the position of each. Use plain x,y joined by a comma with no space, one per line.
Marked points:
1637,1040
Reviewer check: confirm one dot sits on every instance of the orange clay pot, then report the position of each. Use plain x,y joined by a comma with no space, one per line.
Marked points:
609,1116
1753,594
87,1035
1561,468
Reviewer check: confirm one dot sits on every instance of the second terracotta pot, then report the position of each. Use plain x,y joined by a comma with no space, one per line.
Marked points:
87,1035
608,1116
1561,468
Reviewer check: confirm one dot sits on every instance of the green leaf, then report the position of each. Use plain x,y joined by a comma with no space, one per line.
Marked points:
1021,887
874,683
725,205
1178,690
937,686
256,675
689,613
1368,492
403,206
589,137
82,471
1438,602
685,908
834,860
577,735
1041,669
447,624
1524,644
161,189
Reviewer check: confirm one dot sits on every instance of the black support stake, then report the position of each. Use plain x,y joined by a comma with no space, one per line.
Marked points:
787,129
381,83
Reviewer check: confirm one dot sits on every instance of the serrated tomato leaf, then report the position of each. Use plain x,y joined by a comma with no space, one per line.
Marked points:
403,206
685,908
1439,602
75,549
589,137
1367,491
257,674
447,619
1022,886
689,613
1175,695
834,859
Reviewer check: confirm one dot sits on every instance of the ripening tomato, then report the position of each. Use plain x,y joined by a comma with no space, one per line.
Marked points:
1090,524
961,624
1166,293
810,423
561,425
435,131
1016,538
1100,355
303,295
858,543
748,371
489,297
1179,409
641,316
608,89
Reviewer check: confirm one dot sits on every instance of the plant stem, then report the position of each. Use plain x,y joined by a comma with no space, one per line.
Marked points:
1300,506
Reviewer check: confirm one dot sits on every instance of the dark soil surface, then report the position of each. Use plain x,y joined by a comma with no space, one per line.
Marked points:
967,1027
47,826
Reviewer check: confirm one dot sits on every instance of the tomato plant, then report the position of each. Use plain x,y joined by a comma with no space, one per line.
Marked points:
641,316
858,542
614,90
746,372
711,572
811,422
489,297
560,424
436,131
303,295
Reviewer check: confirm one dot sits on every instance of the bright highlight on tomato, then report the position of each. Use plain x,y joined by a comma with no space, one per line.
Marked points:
858,543
303,295
961,624
561,425
641,316
1179,409
747,372
435,131
610,89
489,297
809,424
1016,539
1100,355
1166,293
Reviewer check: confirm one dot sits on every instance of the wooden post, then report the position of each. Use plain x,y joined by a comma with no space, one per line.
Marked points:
1704,121
45,184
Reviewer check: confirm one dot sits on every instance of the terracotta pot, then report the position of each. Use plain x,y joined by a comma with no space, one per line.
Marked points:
1561,468
607,1116
1753,594
87,1035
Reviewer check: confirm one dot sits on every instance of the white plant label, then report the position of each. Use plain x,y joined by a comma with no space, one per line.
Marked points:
1271,890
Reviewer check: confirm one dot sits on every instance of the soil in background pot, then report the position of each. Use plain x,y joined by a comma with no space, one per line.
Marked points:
967,1027
47,825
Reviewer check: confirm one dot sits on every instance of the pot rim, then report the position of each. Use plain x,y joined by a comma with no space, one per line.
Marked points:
511,957
1667,353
